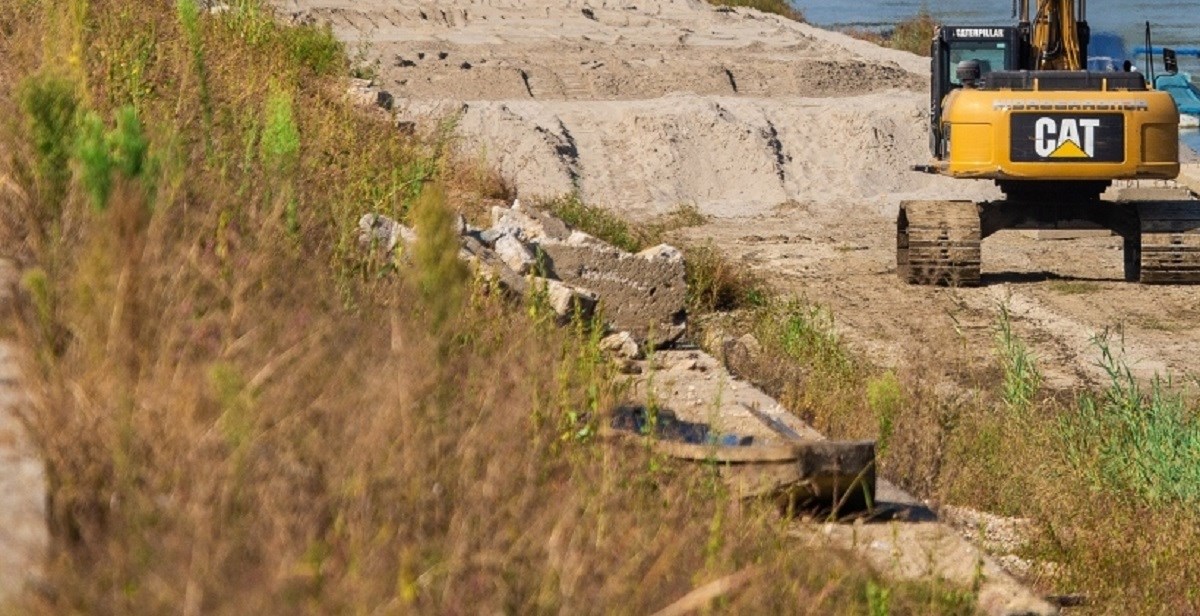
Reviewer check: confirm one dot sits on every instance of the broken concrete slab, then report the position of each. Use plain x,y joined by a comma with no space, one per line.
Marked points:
910,545
662,253
487,264
567,302
622,345
514,253
916,551
377,230
644,294
527,225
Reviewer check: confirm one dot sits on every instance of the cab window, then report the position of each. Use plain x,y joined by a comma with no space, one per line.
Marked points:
990,55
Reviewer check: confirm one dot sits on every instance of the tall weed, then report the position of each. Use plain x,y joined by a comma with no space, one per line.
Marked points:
1022,379
49,106
1137,442
189,18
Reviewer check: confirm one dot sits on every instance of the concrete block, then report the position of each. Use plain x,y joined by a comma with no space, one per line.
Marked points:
384,233
622,345
643,294
364,93
527,225
514,254
663,253
837,470
568,301
486,263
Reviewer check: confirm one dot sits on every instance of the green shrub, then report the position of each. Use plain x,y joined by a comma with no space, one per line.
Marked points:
715,284
316,49
596,221
884,397
123,150
1022,380
914,34
1136,442
279,146
805,333
49,105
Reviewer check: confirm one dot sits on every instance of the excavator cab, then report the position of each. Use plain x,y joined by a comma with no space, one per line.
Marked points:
993,48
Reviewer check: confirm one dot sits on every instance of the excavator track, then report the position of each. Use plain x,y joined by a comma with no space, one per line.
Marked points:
1170,242
938,242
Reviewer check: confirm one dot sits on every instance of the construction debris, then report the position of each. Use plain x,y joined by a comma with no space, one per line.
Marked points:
568,302
622,345
380,232
364,93
514,253
641,296
645,294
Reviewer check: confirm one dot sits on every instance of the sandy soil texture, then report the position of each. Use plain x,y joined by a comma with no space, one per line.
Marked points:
23,534
796,141
644,106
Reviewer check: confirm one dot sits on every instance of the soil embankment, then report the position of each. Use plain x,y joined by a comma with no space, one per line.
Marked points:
796,141
644,106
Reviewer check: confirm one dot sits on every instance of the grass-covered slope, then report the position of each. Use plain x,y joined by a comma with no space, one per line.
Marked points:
241,410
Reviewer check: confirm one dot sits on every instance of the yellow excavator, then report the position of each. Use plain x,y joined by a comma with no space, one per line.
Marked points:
1016,105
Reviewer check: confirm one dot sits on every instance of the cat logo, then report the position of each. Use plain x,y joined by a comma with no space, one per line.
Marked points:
1066,137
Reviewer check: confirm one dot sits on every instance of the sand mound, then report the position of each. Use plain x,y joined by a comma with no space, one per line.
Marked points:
728,156
644,106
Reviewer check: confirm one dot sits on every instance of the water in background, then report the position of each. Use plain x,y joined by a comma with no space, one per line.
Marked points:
1175,23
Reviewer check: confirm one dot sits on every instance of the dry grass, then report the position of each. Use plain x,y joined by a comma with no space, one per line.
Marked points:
1108,476
241,410
778,7
913,35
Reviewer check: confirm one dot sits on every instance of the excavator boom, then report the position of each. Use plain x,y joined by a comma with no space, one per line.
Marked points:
1056,40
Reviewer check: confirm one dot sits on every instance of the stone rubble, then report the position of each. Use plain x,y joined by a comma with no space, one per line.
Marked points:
622,345
514,253
642,296
364,93
568,301
375,230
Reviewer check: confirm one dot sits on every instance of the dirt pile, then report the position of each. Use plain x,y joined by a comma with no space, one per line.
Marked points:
643,106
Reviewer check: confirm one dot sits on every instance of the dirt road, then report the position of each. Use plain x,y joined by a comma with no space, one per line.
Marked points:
796,141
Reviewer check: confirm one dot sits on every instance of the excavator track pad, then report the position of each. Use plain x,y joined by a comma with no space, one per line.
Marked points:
937,243
1170,242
